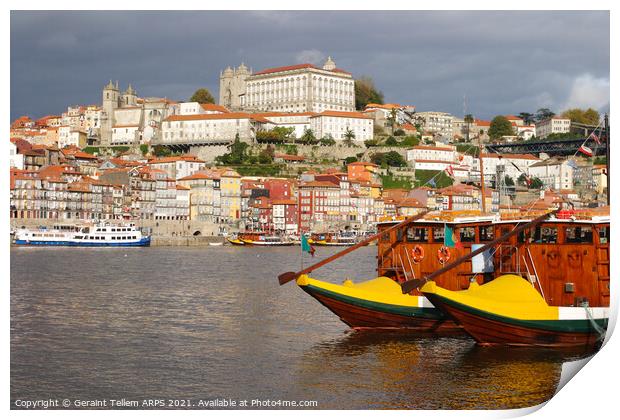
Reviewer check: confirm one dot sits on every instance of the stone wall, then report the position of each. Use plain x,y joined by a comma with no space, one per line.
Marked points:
208,153
315,153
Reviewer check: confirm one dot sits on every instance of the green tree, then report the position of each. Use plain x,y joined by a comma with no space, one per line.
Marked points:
265,156
291,149
350,159
509,181
393,118
410,141
366,93
308,137
237,155
399,132
391,141
202,96
161,151
388,159
500,126
536,183
589,116
371,143
469,119
394,159
327,140
527,117
144,148
349,135
543,114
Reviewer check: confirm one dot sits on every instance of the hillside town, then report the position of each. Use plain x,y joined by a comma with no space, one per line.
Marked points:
287,150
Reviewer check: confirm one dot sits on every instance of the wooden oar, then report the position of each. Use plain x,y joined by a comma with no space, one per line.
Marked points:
288,276
408,286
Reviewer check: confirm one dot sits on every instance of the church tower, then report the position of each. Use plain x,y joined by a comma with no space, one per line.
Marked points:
232,86
110,102
130,97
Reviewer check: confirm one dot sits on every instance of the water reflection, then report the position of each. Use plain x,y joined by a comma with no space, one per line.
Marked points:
205,323
427,373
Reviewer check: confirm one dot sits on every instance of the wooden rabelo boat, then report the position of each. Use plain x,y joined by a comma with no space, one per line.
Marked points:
414,249
258,239
553,288
333,239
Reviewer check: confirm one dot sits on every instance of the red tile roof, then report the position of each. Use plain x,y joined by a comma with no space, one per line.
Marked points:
296,67
342,114
225,116
215,107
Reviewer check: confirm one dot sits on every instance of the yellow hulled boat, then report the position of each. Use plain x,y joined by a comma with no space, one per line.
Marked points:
377,303
509,310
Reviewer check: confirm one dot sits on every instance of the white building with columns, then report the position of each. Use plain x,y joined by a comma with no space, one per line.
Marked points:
296,88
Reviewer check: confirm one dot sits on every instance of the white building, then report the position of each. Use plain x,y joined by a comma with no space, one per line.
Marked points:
432,153
177,167
552,126
555,173
16,160
125,135
525,132
437,123
211,127
490,161
195,108
70,136
337,123
298,121
297,88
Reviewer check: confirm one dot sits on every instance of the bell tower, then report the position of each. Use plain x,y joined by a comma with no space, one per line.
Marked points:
110,102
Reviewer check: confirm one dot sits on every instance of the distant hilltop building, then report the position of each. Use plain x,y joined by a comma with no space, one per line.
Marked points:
296,88
127,119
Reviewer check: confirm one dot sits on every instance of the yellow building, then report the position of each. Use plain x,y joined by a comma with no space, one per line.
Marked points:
230,191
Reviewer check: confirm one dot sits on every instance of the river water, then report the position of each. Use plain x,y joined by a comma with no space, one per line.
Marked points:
212,323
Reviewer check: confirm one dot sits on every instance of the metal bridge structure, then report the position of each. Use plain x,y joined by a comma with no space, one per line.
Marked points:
551,147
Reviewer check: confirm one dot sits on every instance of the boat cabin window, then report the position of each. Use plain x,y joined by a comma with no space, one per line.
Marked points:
78,236
399,235
467,234
417,234
542,235
438,234
486,233
578,235
385,237
603,234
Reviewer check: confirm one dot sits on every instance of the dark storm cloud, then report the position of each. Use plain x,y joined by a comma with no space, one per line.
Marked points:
503,62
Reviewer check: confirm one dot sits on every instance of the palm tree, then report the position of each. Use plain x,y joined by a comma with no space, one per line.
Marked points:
469,119
349,135
392,118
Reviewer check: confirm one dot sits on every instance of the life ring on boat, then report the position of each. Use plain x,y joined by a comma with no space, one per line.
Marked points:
443,254
417,254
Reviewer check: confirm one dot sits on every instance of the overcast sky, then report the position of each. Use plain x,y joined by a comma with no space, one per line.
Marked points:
502,62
